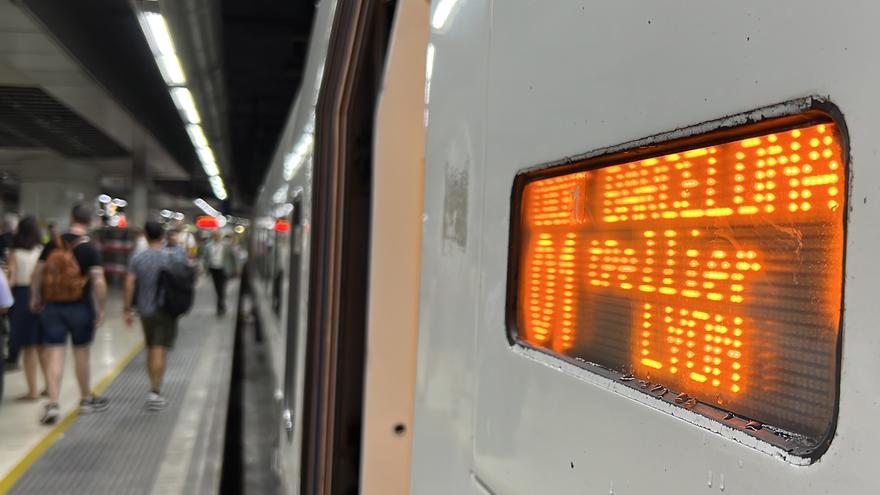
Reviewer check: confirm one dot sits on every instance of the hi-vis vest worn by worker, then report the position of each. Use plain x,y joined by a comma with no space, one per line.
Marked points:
63,281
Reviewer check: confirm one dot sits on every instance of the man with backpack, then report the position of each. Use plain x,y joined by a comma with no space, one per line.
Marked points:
70,292
164,285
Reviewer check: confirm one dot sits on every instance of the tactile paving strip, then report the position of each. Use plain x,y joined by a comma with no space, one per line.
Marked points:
119,451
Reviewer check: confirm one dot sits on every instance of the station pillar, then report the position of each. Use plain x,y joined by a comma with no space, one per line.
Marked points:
50,189
136,212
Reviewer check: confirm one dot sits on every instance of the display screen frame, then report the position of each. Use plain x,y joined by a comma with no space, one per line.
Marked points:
776,118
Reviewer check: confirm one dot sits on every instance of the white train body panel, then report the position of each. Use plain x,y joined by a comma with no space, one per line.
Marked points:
512,85
518,84
290,178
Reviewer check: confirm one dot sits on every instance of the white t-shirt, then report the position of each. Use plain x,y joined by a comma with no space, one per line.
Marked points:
25,262
215,256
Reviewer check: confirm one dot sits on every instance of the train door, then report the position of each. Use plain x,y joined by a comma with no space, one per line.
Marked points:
398,173
342,193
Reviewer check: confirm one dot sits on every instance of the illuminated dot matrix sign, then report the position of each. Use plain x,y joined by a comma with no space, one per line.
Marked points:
714,271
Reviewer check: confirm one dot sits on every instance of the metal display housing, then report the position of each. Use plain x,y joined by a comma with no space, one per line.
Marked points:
775,118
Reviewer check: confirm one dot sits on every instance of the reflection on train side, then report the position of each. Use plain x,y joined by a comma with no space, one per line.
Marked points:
271,244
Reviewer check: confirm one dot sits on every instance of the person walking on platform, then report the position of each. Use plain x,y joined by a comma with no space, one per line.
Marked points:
51,233
70,291
160,329
26,330
7,231
174,243
219,258
5,303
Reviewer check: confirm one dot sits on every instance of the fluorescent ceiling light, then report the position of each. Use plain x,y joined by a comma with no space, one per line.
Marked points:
217,182
197,136
161,44
220,194
218,187
206,156
158,34
210,168
172,72
184,102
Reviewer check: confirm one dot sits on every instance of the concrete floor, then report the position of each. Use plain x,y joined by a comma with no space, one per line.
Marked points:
20,430
131,450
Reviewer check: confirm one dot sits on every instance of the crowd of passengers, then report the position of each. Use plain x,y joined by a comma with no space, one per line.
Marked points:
53,289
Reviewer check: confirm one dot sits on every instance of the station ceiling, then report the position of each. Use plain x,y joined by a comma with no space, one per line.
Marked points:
264,51
30,118
261,61
106,40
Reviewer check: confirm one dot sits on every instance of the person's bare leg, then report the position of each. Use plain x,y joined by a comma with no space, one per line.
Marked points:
54,366
41,355
81,360
29,360
156,356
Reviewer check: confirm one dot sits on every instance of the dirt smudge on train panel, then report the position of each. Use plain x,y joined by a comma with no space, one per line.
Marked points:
455,201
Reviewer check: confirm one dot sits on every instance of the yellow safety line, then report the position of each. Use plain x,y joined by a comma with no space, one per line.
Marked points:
55,433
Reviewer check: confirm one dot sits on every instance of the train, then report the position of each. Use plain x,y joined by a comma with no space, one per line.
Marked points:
575,247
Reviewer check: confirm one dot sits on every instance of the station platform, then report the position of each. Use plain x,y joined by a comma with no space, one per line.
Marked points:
128,449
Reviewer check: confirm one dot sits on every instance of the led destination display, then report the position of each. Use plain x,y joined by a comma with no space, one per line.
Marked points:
715,271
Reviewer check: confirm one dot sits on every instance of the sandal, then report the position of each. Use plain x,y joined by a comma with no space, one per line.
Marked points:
28,398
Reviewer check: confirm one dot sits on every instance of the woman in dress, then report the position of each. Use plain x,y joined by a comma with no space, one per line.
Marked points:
23,257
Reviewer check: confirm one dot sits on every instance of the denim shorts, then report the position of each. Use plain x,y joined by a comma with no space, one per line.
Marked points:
77,319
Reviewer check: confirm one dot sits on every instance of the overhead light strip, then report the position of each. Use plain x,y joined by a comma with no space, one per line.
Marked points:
161,43
184,102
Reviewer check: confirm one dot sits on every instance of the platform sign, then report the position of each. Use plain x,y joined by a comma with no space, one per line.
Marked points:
207,222
715,271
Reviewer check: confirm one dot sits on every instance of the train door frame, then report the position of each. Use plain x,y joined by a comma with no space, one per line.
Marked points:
395,257
342,192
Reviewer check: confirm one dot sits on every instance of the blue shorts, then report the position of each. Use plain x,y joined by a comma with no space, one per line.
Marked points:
77,319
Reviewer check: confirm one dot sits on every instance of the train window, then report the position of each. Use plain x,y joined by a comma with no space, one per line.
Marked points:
705,272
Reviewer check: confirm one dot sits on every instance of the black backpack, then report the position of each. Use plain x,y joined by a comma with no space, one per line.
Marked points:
175,291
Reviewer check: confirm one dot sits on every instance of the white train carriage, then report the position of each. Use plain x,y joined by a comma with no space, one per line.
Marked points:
605,248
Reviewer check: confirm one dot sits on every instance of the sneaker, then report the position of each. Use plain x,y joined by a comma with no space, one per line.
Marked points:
156,402
50,414
93,404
